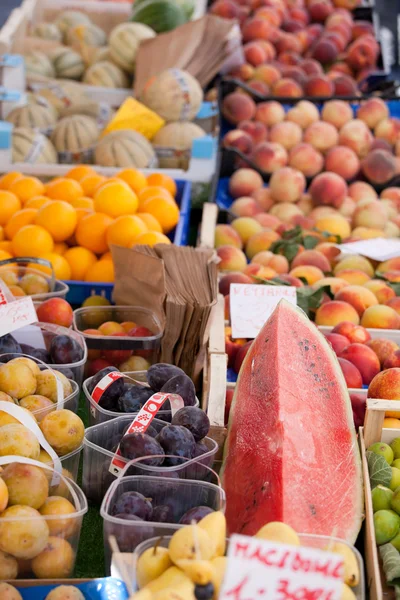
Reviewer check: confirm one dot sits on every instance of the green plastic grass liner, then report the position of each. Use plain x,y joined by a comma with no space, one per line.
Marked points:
57,288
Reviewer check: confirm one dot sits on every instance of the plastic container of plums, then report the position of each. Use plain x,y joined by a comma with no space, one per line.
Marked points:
61,348
26,280
99,446
163,503
49,512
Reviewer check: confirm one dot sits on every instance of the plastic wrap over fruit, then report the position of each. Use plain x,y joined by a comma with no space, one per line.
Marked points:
97,589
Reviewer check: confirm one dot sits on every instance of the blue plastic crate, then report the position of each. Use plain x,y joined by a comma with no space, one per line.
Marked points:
80,290
98,589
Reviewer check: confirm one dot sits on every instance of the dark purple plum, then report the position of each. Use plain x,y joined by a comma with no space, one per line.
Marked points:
182,385
195,514
69,374
178,441
136,445
158,375
109,399
133,397
133,503
163,514
151,431
26,349
42,354
9,345
129,537
197,470
204,592
64,350
194,419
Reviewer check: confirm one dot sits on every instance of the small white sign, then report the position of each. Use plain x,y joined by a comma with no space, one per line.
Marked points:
378,248
17,314
262,570
251,305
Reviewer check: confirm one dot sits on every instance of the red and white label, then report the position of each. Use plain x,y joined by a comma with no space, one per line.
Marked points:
261,570
104,384
17,314
5,295
143,420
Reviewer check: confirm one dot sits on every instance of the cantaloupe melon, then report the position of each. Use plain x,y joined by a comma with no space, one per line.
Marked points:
32,115
106,74
37,63
31,146
99,54
47,31
75,133
174,94
60,93
70,18
91,35
125,148
101,112
173,144
36,99
124,42
67,63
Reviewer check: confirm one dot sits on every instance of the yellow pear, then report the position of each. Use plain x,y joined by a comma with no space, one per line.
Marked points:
177,592
351,569
151,564
215,525
191,542
200,571
347,593
142,595
219,564
172,577
275,531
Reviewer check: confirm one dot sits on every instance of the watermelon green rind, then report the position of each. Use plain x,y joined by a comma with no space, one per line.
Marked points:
187,6
160,15
291,452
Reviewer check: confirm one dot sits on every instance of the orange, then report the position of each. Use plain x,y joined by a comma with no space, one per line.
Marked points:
7,246
26,216
90,183
1,233
150,192
82,212
60,248
79,172
8,179
164,210
107,256
150,221
80,260
64,189
60,266
26,188
32,240
125,230
4,255
83,202
102,270
59,218
37,202
91,232
164,181
9,204
115,198
134,178
151,238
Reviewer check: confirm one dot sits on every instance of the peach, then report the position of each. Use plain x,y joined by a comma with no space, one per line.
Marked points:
257,131
391,193
299,14
360,28
372,112
372,215
336,225
275,261
354,276
232,259
379,144
360,190
244,72
392,361
306,159
337,341
364,359
311,67
345,86
356,135
266,273
286,134
390,208
343,161
306,223
245,227
227,9
351,374
337,113
393,264
304,113
312,257
388,129
391,230
340,68
287,43
344,328
397,148
110,328
365,233
334,312
323,136
395,304
268,221
380,317
245,181
383,348
268,48
320,10
287,185
285,211
318,86
238,107
256,29
254,54
355,262
226,280
269,113
308,272
295,73
245,207
379,166
362,53
259,86
225,235
305,203
261,241
287,88
295,281
328,249
386,385
269,14
267,74
269,156
348,207
358,296
287,58
382,290
328,189
393,276
263,198
251,270
359,335
238,139
320,212
325,50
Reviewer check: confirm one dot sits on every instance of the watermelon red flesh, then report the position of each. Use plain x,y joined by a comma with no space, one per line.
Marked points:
291,453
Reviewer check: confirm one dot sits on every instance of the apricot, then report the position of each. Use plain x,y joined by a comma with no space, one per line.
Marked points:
276,261
373,111
238,139
56,560
333,312
348,207
245,227
268,221
38,405
261,241
225,235
380,317
287,185
386,385
383,348
322,136
304,113
312,257
364,358
287,88
269,156
351,374
269,74
360,190
328,189
371,215
356,135
226,280
269,113
286,133
27,485
231,259
255,54
318,85
388,129
358,296
285,211
337,113
305,204
330,250
263,199
32,284
379,166
336,225
365,233
343,161
382,290
23,532
17,440
335,283
245,207
57,506
306,159
110,328
47,384
355,262
391,193
395,304
17,379
8,568
64,431
244,181
308,272
337,341
238,107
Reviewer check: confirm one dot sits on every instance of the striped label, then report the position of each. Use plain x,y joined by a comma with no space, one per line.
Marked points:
104,384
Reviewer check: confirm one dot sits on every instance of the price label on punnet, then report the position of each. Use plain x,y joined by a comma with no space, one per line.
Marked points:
14,314
263,570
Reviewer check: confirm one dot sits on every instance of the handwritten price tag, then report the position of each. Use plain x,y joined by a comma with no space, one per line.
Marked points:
17,314
251,305
378,249
262,570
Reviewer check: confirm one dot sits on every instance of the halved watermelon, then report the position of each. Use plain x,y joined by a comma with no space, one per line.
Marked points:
291,453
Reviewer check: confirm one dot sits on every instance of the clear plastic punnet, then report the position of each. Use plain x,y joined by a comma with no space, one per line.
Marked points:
14,271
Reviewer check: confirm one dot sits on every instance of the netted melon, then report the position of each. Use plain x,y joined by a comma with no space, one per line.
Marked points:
124,43
70,18
173,144
37,63
101,112
75,133
32,115
31,146
67,63
61,93
47,31
125,148
174,94
91,35
106,74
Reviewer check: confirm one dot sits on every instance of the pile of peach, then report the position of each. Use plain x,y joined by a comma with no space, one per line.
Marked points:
295,49
338,140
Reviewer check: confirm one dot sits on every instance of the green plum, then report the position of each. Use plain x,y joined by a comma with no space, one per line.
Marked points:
381,498
383,450
395,481
395,446
387,525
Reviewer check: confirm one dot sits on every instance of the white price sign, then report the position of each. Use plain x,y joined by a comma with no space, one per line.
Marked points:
378,248
251,305
17,314
262,570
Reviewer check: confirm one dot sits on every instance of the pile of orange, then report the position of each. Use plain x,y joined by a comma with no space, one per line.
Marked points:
73,220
